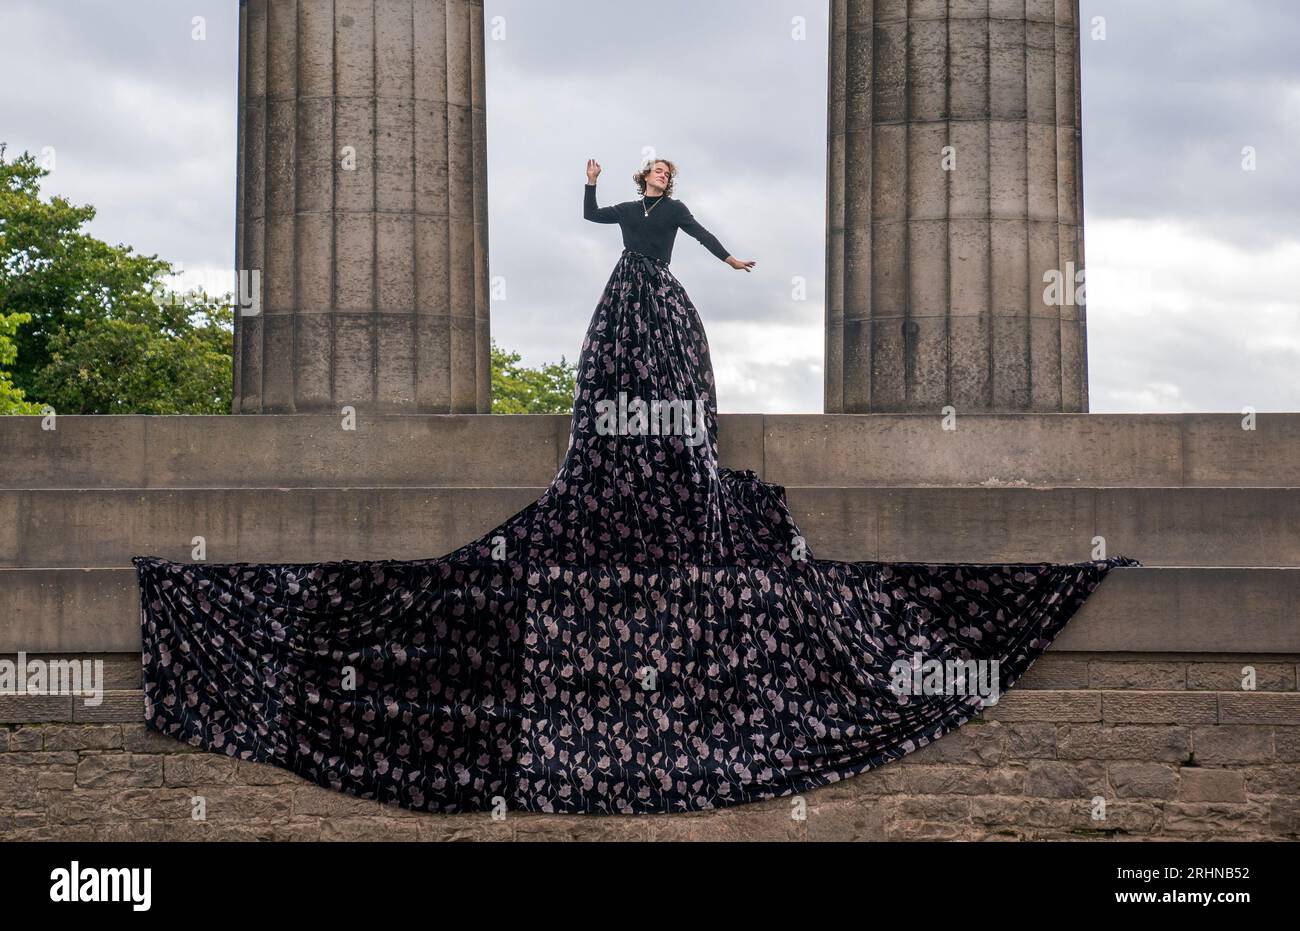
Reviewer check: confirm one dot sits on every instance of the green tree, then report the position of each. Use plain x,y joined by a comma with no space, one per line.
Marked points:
90,328
520,390
102,334
158,362
11,398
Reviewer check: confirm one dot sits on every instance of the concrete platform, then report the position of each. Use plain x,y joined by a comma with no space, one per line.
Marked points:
841,450
1196,610
1159,526
1211,509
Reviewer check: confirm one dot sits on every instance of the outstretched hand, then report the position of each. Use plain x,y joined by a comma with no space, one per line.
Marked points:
740,263
593,170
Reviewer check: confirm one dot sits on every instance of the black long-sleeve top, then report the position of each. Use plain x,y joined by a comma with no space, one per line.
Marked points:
652,235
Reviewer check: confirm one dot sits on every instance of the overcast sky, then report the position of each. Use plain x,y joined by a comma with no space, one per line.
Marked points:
1193,302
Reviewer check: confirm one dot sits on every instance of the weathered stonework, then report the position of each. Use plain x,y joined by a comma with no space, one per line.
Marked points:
1031,767
954,184
362,208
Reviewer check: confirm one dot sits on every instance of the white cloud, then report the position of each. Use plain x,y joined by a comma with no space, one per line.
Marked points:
1178,320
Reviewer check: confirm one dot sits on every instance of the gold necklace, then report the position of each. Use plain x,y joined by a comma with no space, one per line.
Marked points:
652,206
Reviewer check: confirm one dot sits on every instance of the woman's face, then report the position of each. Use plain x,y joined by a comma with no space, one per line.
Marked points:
658,176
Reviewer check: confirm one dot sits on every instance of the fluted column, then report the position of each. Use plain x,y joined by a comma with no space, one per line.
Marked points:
935,278
362,207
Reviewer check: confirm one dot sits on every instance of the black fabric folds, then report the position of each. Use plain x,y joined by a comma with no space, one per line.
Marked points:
651,635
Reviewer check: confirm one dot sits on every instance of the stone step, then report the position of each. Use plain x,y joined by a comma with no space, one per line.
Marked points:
1157,526
1103,450
1120,674
1111,707
1171,610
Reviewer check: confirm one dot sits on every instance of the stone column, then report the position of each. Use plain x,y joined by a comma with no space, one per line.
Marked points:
362,206
934,277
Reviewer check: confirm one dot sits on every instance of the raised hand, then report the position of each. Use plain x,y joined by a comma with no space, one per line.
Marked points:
593,170
740,263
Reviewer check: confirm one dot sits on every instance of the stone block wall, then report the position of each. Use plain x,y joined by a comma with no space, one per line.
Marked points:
1100,746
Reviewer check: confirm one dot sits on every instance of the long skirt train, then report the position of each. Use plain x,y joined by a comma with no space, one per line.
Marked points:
653,634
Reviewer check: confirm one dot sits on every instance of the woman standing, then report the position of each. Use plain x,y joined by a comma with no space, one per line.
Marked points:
653,235
652,634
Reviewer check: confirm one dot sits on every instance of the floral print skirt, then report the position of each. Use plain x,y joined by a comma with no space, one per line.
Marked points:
652,634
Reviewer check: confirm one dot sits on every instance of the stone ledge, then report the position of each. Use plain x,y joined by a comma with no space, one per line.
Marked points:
1056,671
1053,706
456,450
1212,527
1170,610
